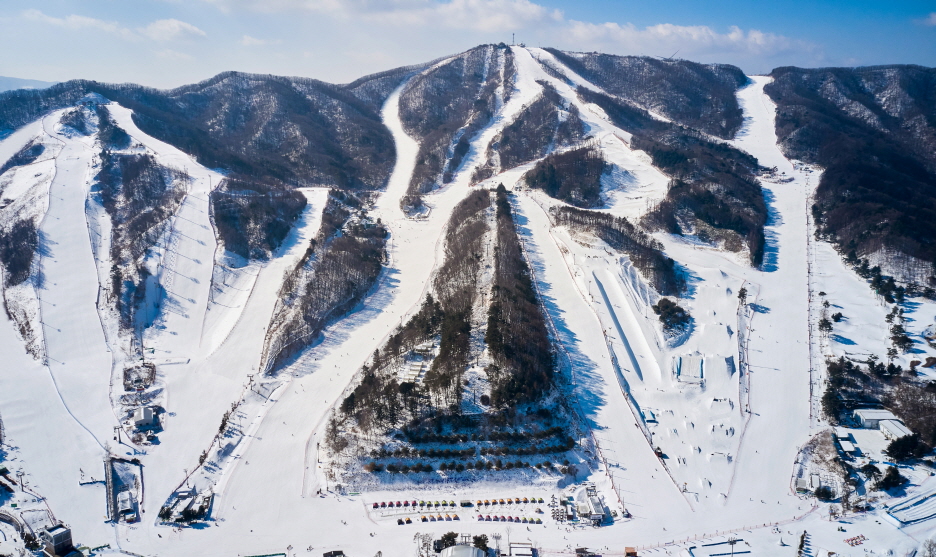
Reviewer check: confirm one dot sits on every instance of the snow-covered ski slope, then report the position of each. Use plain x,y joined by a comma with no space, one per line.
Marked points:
728,446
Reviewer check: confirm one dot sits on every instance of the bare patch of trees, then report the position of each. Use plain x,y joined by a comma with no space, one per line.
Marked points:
644,252
111,136
336,273
78,120
140,196
714,192
915,404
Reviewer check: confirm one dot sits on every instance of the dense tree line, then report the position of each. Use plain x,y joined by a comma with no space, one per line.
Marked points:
27,155
873,131
417,437
644,252
701,96
253,218
510,71
516,337
140,196
339,268
545,124
111,136
445,107
380,401
713,182
571,176
18,244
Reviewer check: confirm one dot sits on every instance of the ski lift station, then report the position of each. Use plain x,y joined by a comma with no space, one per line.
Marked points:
589,505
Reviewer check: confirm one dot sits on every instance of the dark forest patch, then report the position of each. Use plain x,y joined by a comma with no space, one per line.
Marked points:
253,218
572,176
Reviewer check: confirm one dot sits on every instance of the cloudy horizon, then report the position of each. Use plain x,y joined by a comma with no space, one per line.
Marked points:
166,43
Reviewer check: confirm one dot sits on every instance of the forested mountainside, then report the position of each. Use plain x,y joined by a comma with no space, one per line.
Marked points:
294,131
874,131
447,105
701,96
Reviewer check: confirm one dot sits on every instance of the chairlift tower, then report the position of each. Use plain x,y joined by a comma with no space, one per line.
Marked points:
732,541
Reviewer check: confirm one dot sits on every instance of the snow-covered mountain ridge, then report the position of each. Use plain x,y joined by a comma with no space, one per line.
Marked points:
271,306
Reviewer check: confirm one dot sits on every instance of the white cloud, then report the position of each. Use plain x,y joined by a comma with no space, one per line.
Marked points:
79,22
666,38
333,6
930,20
169,54
159,30
488,16
171,30
247,40
477,15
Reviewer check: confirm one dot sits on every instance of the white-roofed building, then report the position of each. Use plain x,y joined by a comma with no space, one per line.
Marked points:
894,429
847,447
143,417
871,417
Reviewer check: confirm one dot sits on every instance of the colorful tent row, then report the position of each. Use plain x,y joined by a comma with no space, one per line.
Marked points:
392,504
509,501
523,520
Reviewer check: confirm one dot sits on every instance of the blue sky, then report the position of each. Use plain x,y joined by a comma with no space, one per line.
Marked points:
166,43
